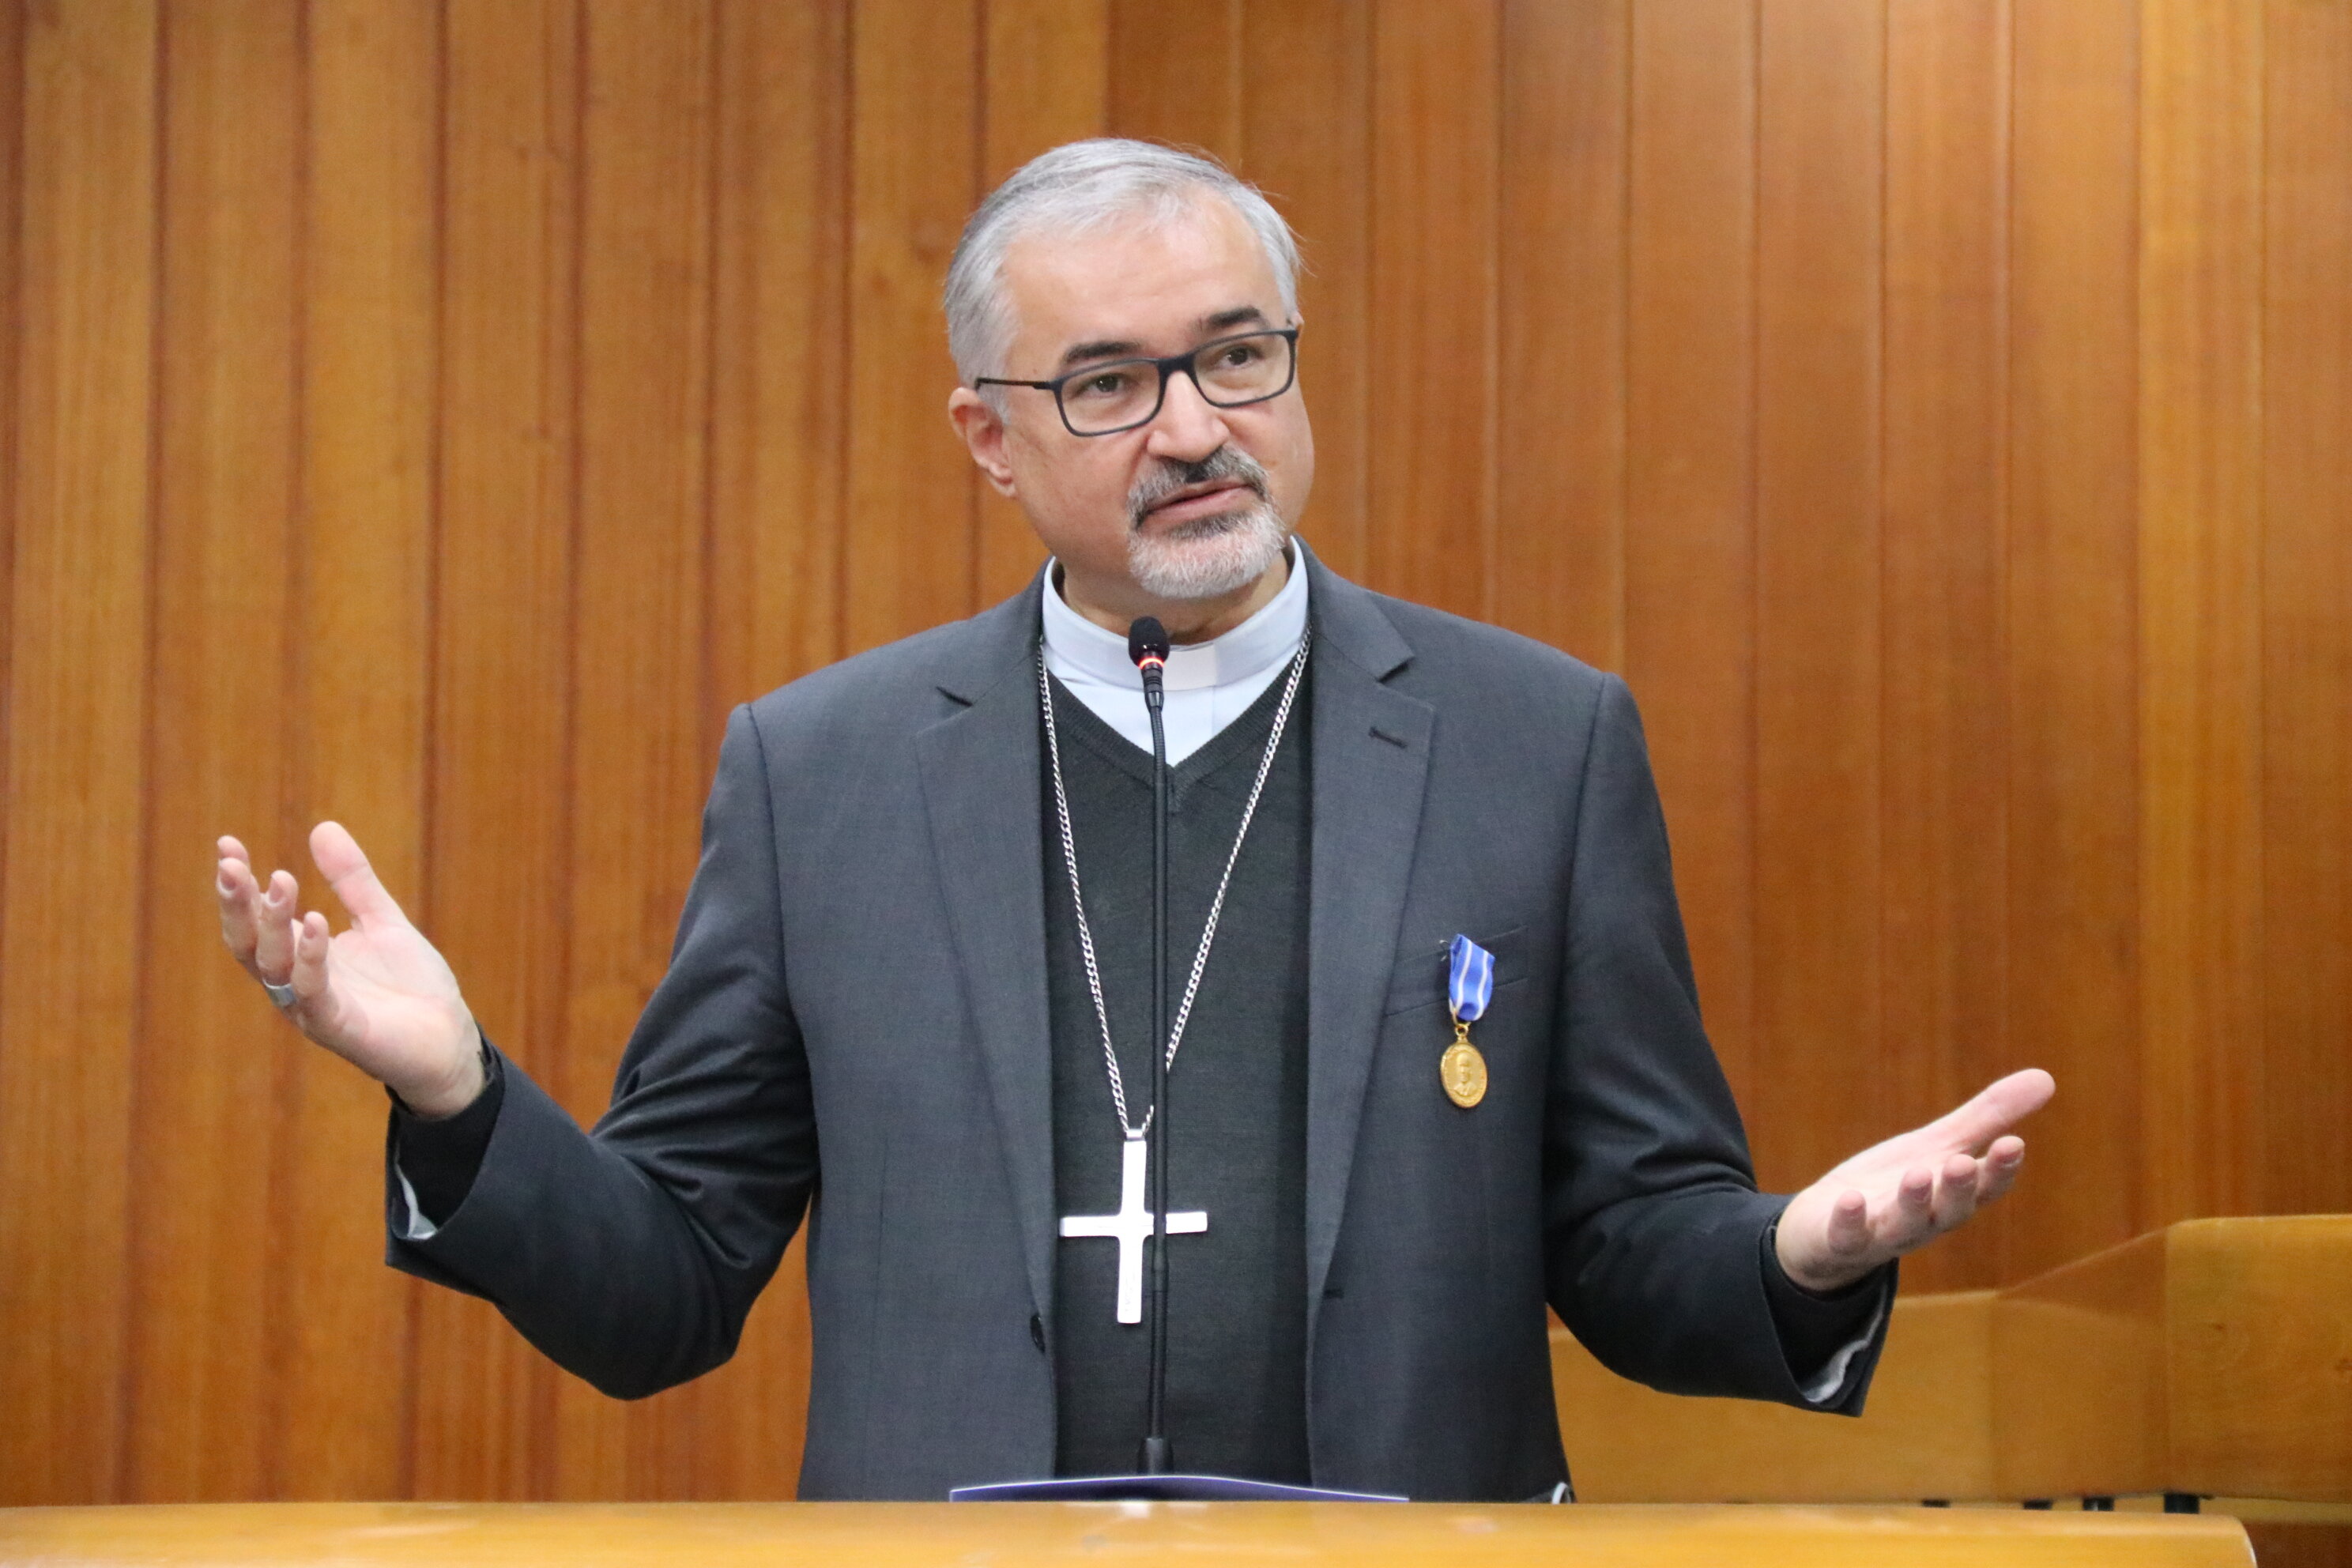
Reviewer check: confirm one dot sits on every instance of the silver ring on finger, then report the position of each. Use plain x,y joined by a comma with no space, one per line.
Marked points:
281,996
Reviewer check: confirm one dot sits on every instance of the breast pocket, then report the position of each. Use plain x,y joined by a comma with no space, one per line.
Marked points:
1419,978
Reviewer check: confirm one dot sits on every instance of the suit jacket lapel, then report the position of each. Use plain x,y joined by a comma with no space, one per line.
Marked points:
980,773
1371,768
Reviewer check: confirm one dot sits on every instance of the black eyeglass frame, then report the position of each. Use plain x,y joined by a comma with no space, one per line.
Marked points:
1172,365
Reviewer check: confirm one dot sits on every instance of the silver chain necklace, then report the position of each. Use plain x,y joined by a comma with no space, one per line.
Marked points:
1216,905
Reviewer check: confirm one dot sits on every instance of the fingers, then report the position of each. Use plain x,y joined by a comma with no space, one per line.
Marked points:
1849,1226
273,952
309,974
345,866
1997,1172
233,882
1956,1192
1997,1108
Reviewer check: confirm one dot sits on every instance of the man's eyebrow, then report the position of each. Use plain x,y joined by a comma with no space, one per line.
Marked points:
1127,348
1239,316
1100,348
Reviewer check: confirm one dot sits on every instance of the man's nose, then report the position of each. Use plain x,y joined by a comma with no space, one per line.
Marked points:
1188,427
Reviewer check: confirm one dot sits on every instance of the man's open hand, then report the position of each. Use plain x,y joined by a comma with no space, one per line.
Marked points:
378,995
1903,1193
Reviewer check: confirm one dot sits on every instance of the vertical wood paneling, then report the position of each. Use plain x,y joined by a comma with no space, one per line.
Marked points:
1176,73
1943,972
1561,399
1306,123
205,1063
781,346
1819,160
640,761
11,126
1435,205
1690,440
78,627
2200,676
2307,611
2073,675
502,656
910,550
369,331
1045,80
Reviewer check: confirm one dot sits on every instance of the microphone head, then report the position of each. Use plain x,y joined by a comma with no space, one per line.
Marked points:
1147,641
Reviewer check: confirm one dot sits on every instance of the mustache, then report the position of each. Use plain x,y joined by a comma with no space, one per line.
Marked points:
1226,463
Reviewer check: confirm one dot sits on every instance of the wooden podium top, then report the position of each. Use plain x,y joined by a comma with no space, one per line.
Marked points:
1362,1535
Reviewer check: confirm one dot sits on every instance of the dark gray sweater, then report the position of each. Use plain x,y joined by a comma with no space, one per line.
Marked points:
1237,1097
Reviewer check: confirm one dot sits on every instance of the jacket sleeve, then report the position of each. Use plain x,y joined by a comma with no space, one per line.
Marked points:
630,1256
1653,1225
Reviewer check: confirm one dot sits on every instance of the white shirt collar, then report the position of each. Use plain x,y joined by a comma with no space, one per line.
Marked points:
1256,647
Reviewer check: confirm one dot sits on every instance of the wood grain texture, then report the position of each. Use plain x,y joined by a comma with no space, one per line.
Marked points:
2096,1329
910,552
2306,611
1436,201
1944,951
900,1535
1177,73
12,192
2258,1356
780,348
1820,159
12,208
2201,583
206,1068
1560,374
1689,473
503,695
78,633
1307,126
2073,570
365,526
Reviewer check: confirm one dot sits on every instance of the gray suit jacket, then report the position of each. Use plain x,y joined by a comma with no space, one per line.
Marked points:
855,1025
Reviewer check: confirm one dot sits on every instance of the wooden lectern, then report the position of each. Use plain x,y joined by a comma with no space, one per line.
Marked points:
881,1535
2214,1357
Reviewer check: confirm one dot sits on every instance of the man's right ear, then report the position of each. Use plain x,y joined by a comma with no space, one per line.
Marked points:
982,430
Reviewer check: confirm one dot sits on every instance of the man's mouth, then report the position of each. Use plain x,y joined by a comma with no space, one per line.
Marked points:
1194,501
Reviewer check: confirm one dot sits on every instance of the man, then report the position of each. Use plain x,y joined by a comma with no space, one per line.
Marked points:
911,981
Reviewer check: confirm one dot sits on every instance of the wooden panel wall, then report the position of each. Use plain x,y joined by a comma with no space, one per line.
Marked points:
438,416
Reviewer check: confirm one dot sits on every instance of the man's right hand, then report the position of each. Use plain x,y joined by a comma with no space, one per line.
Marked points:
379,995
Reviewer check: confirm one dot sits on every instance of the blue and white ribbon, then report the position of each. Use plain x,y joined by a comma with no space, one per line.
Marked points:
1469,979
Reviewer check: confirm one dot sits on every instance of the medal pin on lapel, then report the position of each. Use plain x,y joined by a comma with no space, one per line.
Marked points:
1469,987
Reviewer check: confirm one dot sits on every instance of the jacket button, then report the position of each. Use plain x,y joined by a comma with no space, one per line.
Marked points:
1037,1331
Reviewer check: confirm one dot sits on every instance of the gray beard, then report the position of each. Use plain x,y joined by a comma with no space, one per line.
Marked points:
1209,557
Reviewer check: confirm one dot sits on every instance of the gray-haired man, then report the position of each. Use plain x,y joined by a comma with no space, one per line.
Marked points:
910,981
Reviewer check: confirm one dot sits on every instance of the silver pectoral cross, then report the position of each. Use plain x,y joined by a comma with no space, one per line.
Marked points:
1129,1226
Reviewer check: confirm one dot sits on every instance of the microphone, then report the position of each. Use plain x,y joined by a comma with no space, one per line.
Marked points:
1147,644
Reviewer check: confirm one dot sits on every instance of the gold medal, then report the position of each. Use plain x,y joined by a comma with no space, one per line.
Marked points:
1462,1069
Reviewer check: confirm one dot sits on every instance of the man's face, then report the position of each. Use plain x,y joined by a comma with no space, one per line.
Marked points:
1177,509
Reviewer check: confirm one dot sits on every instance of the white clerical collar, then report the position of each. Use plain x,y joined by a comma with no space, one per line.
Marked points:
1252,651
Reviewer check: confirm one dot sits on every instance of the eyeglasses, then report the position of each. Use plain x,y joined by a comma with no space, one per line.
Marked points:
1122,393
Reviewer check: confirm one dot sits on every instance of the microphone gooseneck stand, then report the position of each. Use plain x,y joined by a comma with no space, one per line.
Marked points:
1147,644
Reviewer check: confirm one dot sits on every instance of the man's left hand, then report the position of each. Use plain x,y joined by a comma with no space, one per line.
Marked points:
1899,1195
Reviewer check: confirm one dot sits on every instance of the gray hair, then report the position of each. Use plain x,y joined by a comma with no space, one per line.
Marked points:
1076,188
